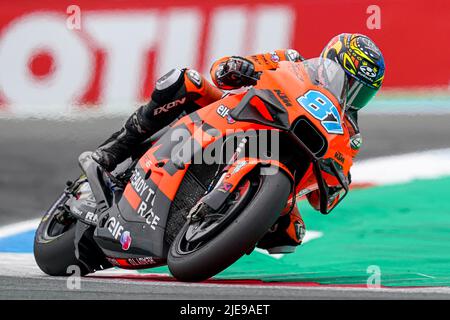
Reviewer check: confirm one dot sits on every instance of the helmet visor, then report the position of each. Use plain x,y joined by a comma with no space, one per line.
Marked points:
359,94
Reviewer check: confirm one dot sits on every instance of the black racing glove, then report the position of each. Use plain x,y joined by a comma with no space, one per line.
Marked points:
237,72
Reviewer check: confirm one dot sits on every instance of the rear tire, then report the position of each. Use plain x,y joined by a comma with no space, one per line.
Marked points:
237,238
54,246
55,256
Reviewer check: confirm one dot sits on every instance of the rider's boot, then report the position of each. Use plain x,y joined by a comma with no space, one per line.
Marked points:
287,233
119,146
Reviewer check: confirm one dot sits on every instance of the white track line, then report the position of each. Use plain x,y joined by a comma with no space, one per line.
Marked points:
403,168
19,265
20,227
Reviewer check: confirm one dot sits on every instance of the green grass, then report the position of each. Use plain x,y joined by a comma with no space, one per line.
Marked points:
404,230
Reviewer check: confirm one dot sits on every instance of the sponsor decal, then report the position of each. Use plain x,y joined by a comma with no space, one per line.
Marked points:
114,227
170,105
125,240
230,119
260,59
368,71
147,195
148,162
225,187
142,261
283,97
224,112
135,262
140,185
339,157
92,217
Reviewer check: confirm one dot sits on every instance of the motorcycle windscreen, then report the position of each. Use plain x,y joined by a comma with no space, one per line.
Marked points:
329,75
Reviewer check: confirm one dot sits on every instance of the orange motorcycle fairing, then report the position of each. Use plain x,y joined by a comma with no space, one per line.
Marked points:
299,101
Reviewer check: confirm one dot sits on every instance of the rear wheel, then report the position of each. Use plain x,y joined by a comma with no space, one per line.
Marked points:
54,244
203,250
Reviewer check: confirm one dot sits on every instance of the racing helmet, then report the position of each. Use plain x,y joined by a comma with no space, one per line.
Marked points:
363,64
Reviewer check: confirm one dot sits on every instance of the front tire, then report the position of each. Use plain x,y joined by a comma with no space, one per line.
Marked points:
237,238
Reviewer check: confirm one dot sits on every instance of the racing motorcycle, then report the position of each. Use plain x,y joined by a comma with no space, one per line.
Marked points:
199,217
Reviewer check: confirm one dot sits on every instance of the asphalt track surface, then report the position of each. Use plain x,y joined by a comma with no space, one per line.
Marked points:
114,289
38,156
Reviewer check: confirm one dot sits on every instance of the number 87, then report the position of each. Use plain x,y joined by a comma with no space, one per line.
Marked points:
321,108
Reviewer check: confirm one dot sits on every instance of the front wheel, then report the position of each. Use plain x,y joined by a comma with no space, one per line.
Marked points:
204,258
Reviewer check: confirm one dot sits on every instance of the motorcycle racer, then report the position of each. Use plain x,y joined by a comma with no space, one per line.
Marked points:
186,90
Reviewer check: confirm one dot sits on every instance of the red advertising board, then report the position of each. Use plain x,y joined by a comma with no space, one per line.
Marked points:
94,51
